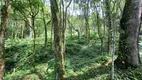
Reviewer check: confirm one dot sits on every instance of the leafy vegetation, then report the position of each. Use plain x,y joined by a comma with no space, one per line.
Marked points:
70,40
83,62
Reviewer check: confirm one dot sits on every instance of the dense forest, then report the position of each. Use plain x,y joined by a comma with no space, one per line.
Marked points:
70,40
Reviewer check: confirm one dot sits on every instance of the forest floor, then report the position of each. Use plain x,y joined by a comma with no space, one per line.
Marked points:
83,62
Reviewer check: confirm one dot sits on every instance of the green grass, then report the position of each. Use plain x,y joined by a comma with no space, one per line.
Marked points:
83,62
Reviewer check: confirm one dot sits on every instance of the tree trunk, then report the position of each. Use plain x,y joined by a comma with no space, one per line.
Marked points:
51,37
58,44
31,33
87,29
30,29
128,53
45,28
22,30
99,32
4,19
64,26
104,27
86,15
108,14
70,28
34,34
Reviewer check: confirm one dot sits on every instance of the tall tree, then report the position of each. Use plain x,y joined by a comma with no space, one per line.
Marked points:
65,8
29,13
109,22
128,53
58,43
86,17
45,26
6,5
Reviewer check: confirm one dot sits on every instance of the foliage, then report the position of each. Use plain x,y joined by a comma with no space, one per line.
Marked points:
83,61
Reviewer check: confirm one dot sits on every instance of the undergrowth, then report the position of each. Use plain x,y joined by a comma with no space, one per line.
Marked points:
84,61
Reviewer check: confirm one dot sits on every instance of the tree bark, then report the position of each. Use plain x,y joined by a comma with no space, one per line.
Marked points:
86,16
108,14
128,53
64,25
22,30
99,32
34,34
30,29
45,28
51,37
4,20
58,43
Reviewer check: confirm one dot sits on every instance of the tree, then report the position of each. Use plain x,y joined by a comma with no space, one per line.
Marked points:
64,21
109,22
29,13
6,5
84,6
45,26
58,43
86,17
128,53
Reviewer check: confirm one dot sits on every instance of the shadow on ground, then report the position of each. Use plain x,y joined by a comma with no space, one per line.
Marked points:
93,74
